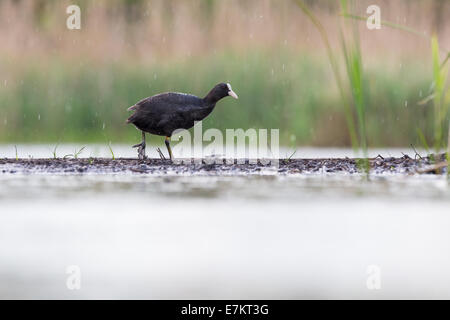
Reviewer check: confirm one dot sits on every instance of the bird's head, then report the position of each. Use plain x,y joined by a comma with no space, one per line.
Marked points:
221,91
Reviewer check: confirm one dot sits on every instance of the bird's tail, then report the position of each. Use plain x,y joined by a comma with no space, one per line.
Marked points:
131,118
132,108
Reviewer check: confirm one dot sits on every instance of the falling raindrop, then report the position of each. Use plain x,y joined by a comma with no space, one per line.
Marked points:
103,128
5,121
406,103
39,117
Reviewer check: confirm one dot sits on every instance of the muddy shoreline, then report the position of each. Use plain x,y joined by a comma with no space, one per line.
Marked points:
378,165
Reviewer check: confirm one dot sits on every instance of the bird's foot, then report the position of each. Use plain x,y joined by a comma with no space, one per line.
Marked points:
161,155
142,156
142,144
141,153
141,150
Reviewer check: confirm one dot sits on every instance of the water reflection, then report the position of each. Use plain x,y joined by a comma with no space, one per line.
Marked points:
266,188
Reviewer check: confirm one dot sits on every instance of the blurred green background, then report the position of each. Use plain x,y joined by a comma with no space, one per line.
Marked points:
75,85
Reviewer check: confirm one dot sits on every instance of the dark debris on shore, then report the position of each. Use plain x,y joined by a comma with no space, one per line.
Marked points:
378,165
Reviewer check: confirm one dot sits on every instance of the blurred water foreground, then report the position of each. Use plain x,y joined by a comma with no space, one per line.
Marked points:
222,237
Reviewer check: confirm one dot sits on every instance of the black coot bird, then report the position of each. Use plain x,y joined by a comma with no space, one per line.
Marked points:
163,113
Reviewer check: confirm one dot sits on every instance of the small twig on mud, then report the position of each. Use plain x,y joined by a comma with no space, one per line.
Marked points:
138,170
289,158
406,156
416,153
377,157
292,155
161,155
436,168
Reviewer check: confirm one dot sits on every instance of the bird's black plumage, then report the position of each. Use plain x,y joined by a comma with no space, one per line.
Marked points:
163,113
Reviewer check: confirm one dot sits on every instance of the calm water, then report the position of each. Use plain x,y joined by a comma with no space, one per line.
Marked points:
305,236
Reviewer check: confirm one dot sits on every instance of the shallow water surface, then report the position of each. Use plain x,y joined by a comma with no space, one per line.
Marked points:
126,151
257,236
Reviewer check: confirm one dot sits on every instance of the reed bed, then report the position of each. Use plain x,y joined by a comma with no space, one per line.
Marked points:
60,85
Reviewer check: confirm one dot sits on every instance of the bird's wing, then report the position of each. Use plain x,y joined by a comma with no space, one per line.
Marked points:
166,100
140,103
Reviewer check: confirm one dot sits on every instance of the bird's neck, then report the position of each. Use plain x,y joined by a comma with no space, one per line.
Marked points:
211,98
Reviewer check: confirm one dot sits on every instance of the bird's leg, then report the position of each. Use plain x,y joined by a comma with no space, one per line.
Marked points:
141,147
167,141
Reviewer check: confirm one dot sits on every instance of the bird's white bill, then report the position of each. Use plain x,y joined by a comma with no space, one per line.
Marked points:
231,93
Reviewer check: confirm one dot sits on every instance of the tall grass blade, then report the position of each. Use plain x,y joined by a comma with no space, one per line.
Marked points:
439,77
386,24
423,140
111,150
334,65
440,71
353,63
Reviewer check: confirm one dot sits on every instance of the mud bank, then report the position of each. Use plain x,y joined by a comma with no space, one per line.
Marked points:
378,165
